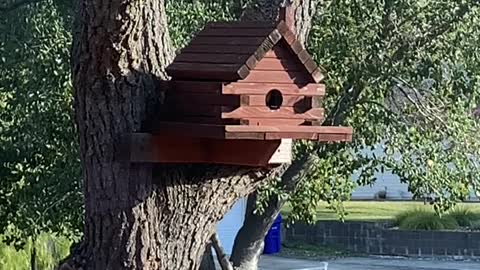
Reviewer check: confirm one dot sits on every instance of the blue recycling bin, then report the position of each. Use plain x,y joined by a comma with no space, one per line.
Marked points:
273,238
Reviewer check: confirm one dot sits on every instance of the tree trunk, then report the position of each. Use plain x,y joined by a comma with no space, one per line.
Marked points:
249,242
267,10
137,216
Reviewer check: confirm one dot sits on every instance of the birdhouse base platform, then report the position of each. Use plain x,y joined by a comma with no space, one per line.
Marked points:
172,142
150,148
252,132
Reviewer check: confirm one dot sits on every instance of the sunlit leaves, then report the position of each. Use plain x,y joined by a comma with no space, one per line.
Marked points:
408,75
39,168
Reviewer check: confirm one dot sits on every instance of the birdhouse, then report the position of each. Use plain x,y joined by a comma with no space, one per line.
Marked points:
239,93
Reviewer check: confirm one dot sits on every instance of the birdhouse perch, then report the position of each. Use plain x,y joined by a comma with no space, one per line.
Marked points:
238,90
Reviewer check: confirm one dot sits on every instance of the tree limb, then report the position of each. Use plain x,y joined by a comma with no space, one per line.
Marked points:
221,256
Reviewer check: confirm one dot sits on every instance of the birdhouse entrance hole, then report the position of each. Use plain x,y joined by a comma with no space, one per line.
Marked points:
274,99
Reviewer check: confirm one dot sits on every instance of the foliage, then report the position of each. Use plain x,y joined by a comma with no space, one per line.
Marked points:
464,216
40,187
50,250
188,17
475,225
424,219
404,74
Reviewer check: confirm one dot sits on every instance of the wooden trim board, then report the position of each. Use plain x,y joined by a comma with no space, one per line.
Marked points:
150,148
249,132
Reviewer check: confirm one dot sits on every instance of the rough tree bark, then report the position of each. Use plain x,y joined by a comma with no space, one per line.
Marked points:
137,216
249,241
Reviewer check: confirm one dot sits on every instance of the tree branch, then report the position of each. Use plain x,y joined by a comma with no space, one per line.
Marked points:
425,110
17,4
225,264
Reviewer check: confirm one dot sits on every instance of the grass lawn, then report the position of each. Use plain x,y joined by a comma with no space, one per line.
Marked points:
372,210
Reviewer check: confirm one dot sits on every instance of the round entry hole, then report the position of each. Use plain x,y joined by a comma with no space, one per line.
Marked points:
274,99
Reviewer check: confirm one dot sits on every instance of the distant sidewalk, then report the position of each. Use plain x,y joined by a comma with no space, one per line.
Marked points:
365,263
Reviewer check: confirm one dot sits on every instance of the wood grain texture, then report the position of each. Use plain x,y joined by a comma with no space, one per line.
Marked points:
211,120
304,56
261,76
242,24
194,99
245,53
235,31
222,72
282,113
272,122
310,65
188,109
275,64
220,49
290,129
335,137
252,132
318,75
196,87
212,58
177,149
286,32
291,135
243,88
232,40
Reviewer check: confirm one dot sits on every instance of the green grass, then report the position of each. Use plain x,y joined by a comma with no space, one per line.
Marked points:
372,210
303,250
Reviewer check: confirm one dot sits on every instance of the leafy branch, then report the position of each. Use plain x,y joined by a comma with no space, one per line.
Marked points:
17,4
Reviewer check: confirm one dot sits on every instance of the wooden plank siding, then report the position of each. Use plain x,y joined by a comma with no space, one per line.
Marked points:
242,88
246,81
247,112
288,101
194,99
254,132
246,48
155,148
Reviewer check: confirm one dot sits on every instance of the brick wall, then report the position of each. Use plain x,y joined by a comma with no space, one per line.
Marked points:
377,238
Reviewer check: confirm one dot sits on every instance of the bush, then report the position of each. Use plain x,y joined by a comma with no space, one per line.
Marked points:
475,225
464,216
424,219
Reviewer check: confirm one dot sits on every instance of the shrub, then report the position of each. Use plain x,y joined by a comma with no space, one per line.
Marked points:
475,225
424,219
464,216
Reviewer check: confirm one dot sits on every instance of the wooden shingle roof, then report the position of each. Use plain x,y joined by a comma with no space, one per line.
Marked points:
229,51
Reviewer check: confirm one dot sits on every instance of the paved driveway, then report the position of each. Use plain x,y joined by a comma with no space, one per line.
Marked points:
278,263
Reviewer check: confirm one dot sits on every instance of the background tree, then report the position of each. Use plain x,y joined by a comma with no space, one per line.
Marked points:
403,74
40,182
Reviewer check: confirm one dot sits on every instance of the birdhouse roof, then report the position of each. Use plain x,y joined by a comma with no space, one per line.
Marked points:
228,51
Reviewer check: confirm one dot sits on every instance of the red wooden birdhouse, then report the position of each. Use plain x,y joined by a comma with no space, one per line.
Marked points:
236,91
